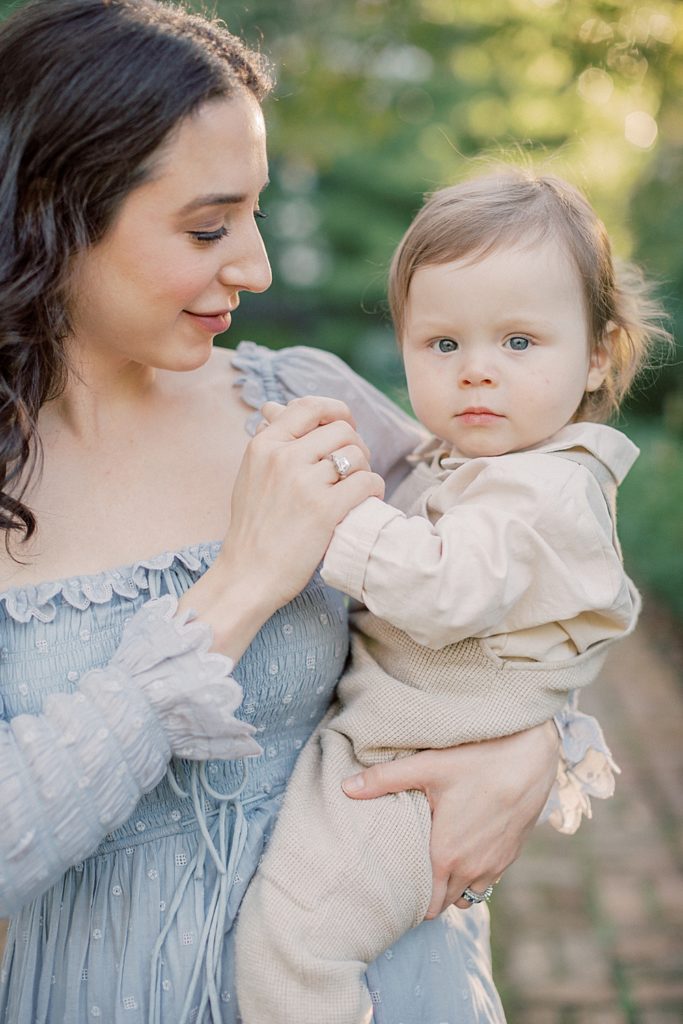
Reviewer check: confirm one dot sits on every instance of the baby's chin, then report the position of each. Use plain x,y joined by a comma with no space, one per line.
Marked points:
485,448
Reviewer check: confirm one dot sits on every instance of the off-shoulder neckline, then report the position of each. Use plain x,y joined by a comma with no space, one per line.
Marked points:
80,589
36,600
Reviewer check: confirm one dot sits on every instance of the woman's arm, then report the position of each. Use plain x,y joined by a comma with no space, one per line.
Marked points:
485,799
76,771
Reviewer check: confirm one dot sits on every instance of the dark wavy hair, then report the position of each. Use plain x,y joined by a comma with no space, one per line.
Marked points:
89,90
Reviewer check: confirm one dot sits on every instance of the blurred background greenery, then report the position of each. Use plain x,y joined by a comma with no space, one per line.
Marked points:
380,101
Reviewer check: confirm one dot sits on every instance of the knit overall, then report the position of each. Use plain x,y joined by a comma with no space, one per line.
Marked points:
342,879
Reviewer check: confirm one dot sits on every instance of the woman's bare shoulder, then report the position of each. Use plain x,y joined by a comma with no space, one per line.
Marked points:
212,383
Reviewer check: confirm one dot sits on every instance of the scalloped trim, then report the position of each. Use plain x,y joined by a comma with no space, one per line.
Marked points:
39,600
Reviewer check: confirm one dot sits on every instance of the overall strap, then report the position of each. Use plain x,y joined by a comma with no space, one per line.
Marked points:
606,481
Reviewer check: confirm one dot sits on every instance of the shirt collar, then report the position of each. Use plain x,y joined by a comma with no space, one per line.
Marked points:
610,446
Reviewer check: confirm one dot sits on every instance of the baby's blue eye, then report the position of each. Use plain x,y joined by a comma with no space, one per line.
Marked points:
445,345
517,343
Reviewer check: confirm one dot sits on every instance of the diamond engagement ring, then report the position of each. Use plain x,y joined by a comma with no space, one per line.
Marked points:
477,897
341,464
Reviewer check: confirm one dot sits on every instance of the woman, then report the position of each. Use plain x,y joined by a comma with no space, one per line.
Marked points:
134,149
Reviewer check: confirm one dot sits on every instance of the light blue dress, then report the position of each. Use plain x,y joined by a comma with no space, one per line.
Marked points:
124,872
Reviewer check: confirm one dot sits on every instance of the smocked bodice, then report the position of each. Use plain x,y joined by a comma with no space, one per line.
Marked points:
53,633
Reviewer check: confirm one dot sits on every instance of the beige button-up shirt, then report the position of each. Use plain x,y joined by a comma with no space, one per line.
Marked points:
520,548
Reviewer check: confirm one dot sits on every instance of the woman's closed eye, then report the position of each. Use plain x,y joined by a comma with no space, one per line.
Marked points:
517,343
222,231
210,236
444,345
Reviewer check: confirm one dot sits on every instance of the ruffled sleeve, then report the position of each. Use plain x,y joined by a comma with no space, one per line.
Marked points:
586,769
289,373
76,771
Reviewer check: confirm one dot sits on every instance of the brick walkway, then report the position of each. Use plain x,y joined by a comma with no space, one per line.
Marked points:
588,929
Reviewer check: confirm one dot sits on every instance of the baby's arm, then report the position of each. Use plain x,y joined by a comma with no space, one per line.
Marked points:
511,543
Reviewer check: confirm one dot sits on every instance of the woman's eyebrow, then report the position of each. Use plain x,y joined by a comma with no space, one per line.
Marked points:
215,199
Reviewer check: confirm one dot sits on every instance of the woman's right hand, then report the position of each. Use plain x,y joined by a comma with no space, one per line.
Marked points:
287,500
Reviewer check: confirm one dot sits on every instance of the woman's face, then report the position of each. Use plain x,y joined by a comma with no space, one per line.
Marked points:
168,273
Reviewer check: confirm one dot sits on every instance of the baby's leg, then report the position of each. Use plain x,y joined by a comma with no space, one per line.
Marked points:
341,880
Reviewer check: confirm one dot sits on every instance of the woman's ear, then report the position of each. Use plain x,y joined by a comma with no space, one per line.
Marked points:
600,360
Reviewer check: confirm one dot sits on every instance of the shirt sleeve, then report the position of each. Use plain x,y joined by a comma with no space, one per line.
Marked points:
513,544
389,433
76,771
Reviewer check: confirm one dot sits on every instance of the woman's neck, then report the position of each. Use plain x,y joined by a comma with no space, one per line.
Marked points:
103,392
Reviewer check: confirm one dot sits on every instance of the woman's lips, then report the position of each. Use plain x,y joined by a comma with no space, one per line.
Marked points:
215,323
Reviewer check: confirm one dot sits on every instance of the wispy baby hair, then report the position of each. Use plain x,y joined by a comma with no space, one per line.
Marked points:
517,207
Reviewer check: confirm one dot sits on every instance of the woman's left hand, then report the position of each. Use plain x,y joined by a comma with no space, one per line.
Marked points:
485,799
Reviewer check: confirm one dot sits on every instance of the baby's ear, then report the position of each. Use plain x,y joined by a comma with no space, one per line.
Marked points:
600,360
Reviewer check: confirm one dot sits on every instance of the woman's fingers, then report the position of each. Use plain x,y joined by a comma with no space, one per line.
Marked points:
322,426
342,462
485,799
302,415
329,439
355,488
271,410
478,887
388,777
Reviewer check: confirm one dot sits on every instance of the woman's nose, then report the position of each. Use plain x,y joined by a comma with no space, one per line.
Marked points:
248,268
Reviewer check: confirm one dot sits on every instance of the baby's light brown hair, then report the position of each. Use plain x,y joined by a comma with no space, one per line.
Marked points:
517,207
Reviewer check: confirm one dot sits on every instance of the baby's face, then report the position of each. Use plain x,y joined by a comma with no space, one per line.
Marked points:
497,352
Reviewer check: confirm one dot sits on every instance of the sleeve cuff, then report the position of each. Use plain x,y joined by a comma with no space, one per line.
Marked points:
347,556
189,687
586,770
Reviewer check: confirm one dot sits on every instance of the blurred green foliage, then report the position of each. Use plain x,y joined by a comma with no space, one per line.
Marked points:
650,503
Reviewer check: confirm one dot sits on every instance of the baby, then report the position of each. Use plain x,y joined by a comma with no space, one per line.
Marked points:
491,601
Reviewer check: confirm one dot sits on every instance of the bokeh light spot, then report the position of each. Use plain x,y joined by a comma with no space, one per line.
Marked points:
640,129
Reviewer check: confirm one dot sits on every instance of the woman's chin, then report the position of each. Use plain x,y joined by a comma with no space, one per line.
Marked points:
187,357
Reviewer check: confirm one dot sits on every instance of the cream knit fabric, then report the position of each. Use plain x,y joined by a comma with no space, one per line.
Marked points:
343,879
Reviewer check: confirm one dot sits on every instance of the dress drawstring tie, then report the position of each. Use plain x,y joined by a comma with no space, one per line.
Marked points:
225,859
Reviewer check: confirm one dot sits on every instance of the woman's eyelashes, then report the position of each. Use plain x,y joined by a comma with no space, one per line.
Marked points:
221,232
209,236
